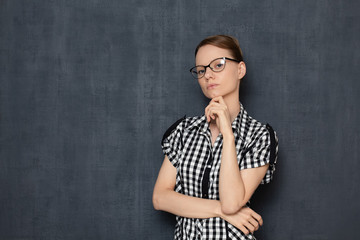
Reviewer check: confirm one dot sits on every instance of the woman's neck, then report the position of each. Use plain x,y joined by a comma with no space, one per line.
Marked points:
233,104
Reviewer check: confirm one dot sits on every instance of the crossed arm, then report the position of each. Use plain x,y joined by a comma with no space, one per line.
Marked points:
166,199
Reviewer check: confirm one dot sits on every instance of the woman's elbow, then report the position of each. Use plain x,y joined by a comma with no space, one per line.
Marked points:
160,198
231,208
156,200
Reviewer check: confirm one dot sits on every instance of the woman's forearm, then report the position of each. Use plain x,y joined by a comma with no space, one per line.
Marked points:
231,186
191,207
186,206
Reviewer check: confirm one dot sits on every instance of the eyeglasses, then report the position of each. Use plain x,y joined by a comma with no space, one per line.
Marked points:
216,65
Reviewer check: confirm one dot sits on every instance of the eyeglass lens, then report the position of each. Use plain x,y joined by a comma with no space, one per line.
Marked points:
216,65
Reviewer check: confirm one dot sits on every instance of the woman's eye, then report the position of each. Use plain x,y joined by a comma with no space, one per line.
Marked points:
219,65
200,72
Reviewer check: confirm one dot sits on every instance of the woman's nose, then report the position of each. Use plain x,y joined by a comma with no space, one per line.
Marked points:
208,73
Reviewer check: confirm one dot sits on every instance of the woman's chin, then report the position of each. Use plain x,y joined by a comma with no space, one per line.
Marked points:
211,94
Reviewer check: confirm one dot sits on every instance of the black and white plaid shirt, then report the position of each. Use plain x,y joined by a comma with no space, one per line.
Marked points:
187,143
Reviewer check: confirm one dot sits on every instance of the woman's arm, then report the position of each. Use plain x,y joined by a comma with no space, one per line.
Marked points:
235,186
166,199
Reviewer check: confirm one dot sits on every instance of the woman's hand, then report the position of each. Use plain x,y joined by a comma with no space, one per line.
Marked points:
218,111
245,219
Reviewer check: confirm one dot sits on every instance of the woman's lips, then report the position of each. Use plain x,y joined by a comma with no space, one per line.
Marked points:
211,86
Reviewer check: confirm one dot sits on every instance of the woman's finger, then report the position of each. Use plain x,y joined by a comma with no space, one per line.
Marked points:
213,104
254,223
243,229
210,106
257,217
214,112
249,226
219,99
216,99
210,110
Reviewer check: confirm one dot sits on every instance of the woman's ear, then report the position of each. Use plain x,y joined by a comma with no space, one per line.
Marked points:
241,70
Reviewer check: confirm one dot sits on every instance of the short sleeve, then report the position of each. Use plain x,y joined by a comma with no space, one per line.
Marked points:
263,151
171,143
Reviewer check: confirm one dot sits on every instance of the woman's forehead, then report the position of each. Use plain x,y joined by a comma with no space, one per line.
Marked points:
208,53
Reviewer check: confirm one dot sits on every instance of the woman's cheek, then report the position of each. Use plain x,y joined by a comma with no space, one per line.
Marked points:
203,89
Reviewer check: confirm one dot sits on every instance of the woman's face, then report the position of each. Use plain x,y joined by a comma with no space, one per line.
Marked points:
224,83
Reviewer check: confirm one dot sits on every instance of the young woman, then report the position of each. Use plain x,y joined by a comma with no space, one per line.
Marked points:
214,162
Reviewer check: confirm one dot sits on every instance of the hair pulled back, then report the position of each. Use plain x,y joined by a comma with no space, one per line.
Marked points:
223,41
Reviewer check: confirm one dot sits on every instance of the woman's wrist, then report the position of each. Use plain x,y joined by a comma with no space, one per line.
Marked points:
228,137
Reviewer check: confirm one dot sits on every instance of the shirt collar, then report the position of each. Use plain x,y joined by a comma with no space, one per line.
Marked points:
236,124
203,126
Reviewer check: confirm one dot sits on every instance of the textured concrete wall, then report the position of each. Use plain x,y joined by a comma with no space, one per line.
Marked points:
88,88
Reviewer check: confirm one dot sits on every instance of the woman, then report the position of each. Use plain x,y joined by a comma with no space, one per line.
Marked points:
214,162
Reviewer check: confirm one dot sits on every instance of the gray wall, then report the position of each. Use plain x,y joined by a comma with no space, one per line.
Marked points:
89,87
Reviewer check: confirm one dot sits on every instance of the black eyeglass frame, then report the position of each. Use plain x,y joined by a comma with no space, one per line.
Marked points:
208,66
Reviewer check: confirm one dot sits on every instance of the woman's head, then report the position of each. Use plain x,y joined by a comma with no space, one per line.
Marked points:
219,66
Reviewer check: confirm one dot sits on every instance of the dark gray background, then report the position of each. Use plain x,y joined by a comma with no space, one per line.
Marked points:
89,87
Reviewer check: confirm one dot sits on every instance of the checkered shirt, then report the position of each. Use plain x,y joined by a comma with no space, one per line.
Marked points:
187,143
